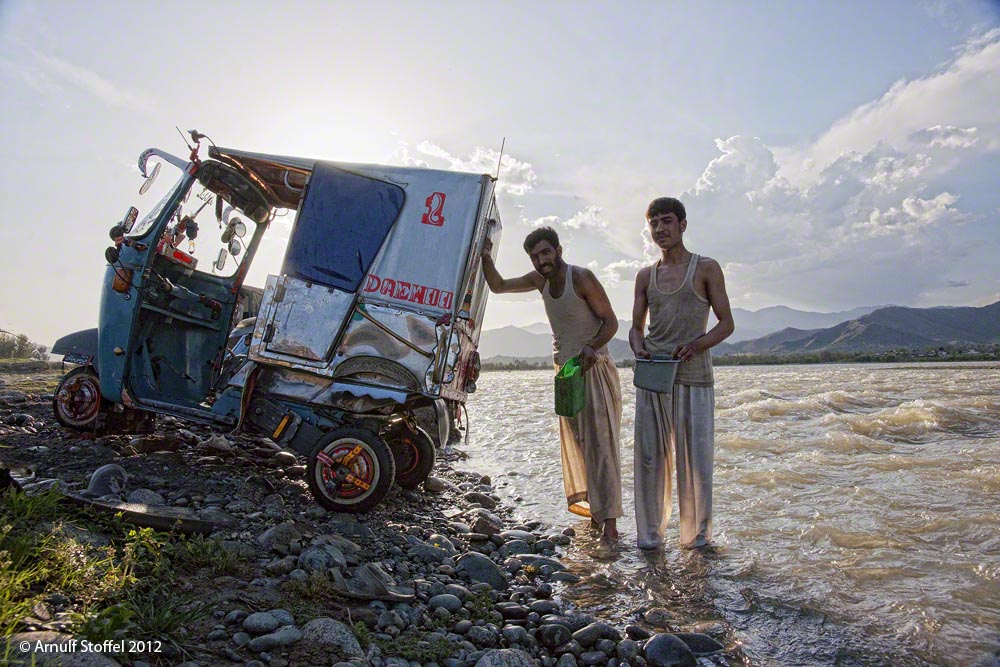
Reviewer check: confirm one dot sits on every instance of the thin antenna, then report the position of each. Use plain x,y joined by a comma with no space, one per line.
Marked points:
183,138
499,159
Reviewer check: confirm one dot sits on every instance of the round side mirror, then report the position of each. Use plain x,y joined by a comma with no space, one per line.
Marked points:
129,219
111,254
235,248
239,228
149,179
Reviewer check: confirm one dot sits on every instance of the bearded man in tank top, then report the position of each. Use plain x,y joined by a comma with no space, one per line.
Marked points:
582,322
677,292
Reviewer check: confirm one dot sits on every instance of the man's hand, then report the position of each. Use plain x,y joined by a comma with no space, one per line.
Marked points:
487,249
687,351
587,357
643,354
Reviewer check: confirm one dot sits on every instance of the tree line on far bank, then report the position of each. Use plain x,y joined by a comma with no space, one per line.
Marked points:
944,353
18,346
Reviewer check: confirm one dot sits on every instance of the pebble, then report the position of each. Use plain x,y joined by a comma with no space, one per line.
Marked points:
260,622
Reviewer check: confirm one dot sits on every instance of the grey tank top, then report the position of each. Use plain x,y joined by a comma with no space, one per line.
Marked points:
573,323
679,317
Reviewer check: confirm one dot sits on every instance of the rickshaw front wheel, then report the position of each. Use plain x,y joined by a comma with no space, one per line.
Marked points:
350,470
77,399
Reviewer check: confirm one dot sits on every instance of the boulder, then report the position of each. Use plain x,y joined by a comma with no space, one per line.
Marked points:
480,569
334,634
665,650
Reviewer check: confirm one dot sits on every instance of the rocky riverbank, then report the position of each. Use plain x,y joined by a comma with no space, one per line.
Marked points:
436,577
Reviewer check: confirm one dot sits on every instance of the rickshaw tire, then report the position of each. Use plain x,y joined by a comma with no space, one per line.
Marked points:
87,421
374,464
411,473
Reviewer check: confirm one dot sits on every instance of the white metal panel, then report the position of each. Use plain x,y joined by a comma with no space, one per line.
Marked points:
422,261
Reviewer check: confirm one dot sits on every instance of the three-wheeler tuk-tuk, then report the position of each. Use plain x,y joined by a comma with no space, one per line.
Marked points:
373,318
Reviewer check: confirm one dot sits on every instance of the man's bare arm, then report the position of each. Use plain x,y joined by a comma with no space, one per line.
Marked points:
500,285
593,293
636,337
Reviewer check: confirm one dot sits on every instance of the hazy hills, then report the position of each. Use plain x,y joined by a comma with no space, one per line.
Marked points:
781,330
885,329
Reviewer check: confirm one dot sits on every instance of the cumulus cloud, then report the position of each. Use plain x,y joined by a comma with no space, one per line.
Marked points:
622,271
948,136
588,218
954,108
870,212
516,176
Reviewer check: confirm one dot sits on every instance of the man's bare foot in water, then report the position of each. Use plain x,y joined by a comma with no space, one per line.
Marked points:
610,534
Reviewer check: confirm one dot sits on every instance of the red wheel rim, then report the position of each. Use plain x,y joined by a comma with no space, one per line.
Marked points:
412,457
329,472
80,405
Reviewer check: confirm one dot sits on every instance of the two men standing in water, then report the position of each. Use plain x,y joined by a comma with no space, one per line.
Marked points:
677,293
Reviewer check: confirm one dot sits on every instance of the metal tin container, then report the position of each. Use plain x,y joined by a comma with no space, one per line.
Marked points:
656,374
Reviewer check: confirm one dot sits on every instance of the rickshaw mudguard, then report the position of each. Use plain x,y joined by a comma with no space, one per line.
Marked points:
79,347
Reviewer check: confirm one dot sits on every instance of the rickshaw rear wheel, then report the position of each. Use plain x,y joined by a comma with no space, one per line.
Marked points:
350,470
77,399
414,454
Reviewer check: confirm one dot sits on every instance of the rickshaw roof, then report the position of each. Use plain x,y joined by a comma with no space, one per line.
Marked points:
273,171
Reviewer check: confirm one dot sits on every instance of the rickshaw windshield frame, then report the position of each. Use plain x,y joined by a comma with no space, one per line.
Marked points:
146,224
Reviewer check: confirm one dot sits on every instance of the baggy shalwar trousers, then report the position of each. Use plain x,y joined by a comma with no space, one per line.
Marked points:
589,443
674,430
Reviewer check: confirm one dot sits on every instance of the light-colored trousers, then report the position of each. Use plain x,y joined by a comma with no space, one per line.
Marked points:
591,462
674,428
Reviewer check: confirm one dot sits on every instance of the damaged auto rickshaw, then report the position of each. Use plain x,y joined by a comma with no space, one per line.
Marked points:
373,319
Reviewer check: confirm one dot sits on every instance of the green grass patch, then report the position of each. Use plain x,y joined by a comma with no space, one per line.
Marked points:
121,581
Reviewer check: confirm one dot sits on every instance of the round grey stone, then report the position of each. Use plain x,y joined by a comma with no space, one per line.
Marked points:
281,534
480,635
321,558
283,636
145,497
554,635
589,635
700,644
627,650
332,633
665,650
446,600
514,634
260,623
566,660
480,569
283,616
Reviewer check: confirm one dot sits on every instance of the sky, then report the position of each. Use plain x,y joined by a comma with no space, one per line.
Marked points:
830,155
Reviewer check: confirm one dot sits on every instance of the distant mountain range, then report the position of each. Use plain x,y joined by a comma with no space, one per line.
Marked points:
893,327
781,330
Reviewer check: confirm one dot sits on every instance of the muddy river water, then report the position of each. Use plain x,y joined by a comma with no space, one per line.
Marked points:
857,510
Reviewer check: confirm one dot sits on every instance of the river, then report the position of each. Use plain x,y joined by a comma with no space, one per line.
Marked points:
856,510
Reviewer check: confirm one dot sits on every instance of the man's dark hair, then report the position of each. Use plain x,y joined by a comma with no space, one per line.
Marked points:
664,205
541,234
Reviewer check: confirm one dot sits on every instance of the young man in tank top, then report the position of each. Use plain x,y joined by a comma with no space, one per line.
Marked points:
582,322
677,292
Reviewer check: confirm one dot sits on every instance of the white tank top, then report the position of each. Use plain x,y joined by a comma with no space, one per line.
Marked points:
573,323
